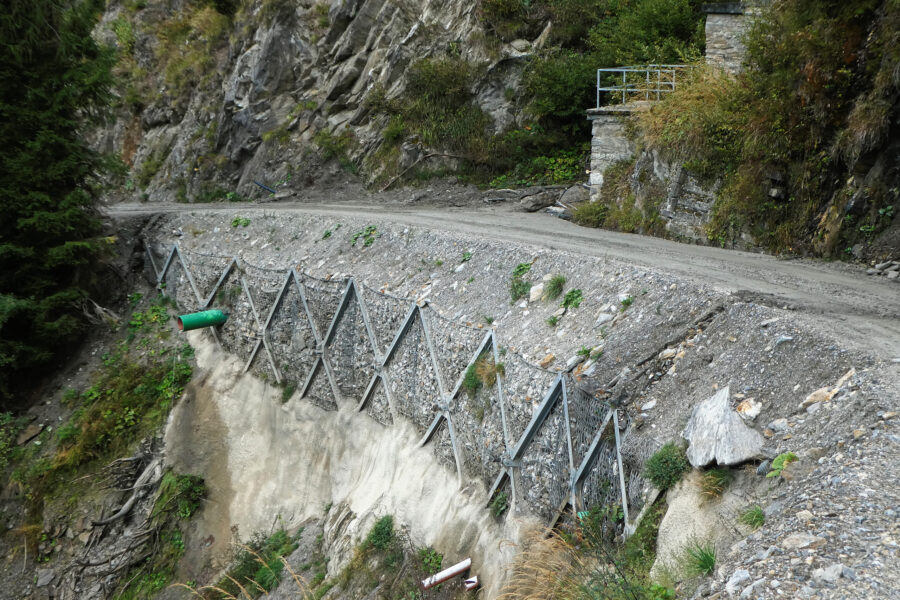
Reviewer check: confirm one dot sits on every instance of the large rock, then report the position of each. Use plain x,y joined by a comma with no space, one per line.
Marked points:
718,434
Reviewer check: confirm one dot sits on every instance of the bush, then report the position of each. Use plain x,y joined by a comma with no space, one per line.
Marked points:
381,536
753,517
715,481
499,504
554,287
701,558
572,299
667,466
431,560
471,382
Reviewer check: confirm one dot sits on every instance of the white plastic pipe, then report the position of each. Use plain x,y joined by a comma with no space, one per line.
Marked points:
446,574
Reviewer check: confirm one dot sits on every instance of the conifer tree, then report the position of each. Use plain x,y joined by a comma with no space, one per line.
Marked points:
54,79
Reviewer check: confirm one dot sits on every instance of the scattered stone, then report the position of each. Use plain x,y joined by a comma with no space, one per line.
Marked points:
748,591
547,360
44,577
717,433
520,45
649,405
736,580
749,409
769,322
783,339
820,395
763,468
778,425
799,541
858,433
893,274
536,292
889,415
848,573
829,574
883,266
29,433
574,361
559,312
805,516
667,354
604,318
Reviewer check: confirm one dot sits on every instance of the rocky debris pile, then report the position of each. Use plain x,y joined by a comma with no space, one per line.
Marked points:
889,269
717,434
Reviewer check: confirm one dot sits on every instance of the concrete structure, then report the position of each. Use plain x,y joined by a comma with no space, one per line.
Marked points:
726,25
609,144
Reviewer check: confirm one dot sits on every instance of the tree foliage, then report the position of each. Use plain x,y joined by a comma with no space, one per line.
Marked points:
53,78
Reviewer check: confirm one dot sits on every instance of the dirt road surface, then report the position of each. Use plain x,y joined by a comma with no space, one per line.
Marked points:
863,311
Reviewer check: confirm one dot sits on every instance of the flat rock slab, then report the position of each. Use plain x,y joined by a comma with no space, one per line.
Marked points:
718,434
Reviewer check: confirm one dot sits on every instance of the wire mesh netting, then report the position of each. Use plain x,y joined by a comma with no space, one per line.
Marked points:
290,337
442,445
386,315
414,385
601,486
586,415
319,391
239,333
322,298
479,432
206,269
350,352
264,286
455,345
545,465
177,285
524,387
378,406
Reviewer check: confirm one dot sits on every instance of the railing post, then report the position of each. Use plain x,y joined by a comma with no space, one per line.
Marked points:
624,86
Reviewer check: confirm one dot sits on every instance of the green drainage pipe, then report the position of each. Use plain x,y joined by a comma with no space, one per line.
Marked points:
205,318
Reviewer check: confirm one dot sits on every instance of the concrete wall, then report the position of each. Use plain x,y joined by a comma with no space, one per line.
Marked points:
609,143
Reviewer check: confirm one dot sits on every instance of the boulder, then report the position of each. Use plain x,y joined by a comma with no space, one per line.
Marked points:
718,434
577,194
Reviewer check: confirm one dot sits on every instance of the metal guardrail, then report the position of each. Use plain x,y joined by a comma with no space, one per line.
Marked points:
639,82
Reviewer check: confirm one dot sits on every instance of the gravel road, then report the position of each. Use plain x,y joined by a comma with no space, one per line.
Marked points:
864,310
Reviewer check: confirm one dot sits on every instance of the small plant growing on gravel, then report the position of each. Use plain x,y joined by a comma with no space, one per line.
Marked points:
287,391
368,236
666,467
554,287
701,558
327,234
471,382
585,352
753,517
572,299
626,302
552,321
518,287
240,222
780,463
715,481
487,319
487,370
499,504
466,257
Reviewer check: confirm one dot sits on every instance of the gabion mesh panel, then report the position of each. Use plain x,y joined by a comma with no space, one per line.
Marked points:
545,466
442,446
454,344
415,388
291,338
238,334
479,432
264,286
586,415
386,315
350,352
323,298
378,406
206,270
601,486
178,286
319,392
524,387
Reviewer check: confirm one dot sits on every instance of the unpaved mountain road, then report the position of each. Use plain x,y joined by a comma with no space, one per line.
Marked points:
864,312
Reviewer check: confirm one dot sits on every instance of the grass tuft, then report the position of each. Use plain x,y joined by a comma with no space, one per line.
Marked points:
753,517
667,466
554,287
715,481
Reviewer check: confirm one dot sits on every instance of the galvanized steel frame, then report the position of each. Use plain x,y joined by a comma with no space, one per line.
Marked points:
383,366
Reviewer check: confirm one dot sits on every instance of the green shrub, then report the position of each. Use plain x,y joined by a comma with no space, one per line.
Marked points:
553,289
666,467
381,536
701,558
518,288
471,382
178,495
431,560
714,482
753,517
590,214
499,504
780,463
572,299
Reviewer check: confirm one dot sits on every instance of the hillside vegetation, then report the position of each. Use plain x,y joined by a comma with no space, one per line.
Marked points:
814,111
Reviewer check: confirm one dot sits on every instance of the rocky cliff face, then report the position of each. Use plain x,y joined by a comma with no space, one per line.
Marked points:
207,97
